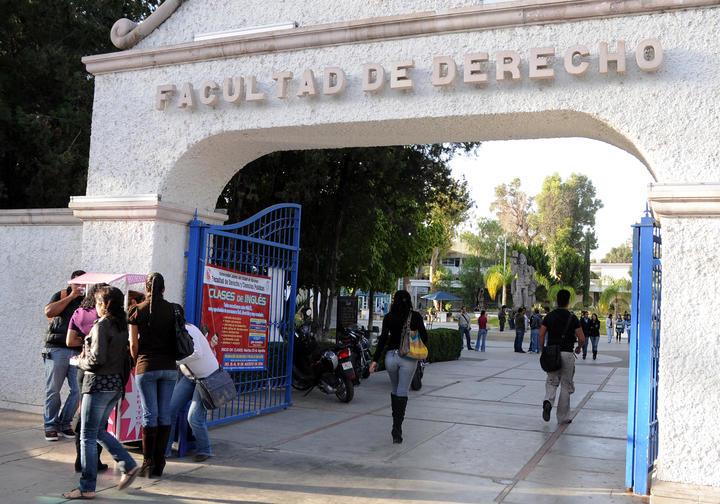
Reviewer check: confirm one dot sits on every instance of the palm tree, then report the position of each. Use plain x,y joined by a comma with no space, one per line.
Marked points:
495,280
554,289
616,290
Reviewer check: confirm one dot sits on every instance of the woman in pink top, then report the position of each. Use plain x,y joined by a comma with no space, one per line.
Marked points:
482,331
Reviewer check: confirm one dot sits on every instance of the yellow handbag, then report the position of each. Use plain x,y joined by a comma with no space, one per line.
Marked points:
416,349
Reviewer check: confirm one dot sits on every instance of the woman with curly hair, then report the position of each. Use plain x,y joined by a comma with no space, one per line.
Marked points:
152,344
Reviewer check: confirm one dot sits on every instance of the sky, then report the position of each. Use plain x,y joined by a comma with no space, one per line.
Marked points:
620,180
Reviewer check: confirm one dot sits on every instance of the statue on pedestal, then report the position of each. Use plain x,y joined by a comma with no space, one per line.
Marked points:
524,284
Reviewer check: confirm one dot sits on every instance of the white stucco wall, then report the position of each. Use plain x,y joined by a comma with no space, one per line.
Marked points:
689,402
35,262
667,118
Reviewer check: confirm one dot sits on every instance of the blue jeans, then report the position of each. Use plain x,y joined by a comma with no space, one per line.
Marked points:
534,344
466,332
96,408
57,369
186,390
519,335
401,371
482,333
590,339
156,388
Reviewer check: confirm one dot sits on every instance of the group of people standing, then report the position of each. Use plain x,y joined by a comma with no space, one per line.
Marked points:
93,344
621,325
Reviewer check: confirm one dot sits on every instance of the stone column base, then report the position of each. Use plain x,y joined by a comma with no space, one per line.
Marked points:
668,492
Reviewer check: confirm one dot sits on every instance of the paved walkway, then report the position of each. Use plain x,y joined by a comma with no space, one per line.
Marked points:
473,434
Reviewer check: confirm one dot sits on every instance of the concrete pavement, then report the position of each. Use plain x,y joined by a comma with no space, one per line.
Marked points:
473,434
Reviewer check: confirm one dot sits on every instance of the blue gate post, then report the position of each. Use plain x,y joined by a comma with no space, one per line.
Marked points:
196,261
643,370
290,323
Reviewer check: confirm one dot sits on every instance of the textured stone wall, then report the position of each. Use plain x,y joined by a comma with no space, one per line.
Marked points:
35,262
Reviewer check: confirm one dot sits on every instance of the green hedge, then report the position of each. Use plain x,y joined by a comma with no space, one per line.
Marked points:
443,345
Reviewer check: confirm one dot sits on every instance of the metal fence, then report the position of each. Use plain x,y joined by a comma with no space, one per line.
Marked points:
642,440
267,244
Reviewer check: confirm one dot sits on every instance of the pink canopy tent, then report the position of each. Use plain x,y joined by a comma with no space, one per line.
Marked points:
108,278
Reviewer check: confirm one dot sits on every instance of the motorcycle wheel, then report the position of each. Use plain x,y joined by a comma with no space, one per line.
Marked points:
366,373
345,390
416,383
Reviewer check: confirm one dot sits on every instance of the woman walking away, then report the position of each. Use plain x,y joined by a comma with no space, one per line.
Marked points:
103,360
594,333
401,319
609,327
152,344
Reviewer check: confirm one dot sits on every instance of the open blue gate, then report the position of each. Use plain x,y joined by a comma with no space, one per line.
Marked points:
642,440
267,245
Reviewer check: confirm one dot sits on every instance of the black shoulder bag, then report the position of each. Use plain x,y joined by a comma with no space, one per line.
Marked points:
550,359
184,346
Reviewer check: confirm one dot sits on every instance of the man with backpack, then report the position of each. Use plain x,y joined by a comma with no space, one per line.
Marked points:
535,323
562,328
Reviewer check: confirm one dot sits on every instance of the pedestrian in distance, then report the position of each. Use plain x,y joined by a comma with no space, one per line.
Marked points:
627,325
152,344
482,332
400,370
585,326
593,334
619,328
609,327
511,319
535,323
199,364
562,328
519,330
464,327
56,356
502,317
104,361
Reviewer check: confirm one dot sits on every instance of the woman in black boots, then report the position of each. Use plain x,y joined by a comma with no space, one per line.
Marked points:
152,344
400,370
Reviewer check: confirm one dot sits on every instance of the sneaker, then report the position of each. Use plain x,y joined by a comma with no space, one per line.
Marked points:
51,435
201,457
547,408
68,433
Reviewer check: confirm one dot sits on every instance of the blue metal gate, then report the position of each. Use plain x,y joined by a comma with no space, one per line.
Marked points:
642,440
266,244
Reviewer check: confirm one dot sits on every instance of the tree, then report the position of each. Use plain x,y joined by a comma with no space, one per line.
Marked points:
554,289
46,96
617,292
513,207
370,215
487,243
498,278
472,278
620,254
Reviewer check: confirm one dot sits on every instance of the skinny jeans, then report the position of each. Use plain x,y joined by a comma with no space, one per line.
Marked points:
57,370
482,334
401,371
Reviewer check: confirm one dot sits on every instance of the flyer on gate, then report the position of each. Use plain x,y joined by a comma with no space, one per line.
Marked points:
236,307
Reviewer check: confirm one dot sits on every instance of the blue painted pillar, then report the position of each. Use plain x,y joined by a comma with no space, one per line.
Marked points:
196,261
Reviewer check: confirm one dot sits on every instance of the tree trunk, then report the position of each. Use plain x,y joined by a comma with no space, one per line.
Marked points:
371,308
504,295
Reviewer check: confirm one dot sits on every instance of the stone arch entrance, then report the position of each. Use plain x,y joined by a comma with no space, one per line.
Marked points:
158,154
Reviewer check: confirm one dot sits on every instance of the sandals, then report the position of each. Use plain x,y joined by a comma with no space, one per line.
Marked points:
76,493
127,478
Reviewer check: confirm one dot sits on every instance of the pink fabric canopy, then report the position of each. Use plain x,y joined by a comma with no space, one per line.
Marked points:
95,278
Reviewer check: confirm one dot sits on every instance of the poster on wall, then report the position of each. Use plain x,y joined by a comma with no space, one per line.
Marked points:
236,308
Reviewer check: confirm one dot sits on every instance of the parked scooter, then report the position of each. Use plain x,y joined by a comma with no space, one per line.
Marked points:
330,370
355,338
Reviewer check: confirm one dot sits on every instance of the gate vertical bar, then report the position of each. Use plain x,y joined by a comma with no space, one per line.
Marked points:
644,348
196,260
290,323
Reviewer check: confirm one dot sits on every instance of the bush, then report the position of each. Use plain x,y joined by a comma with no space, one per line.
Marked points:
444,345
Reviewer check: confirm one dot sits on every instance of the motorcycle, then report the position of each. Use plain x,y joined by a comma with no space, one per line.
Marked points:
416,383
329,369
355,338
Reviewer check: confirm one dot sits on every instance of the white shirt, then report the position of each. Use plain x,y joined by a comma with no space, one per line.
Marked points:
202,361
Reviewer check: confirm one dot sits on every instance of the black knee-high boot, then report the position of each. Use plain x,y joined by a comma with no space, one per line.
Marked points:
398,413
161,442
149,438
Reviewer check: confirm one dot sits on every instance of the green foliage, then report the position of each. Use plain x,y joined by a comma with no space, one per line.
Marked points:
620,254
536,257
46,96
444,345
570,268
472,278
554,289
616,293
487,243
495,278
